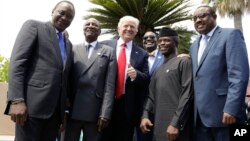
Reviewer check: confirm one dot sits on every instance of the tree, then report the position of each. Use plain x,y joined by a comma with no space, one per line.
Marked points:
232,8
4,65
153,14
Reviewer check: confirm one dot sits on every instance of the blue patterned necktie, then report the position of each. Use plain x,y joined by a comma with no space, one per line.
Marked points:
61,45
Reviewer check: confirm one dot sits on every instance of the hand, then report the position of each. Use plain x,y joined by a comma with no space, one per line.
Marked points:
18,113
172,133
131,72
228,119
145,125
102,123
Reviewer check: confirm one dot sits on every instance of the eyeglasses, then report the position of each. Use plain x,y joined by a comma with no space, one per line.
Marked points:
150,36
200,16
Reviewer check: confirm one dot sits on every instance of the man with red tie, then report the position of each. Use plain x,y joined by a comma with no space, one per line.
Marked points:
131,78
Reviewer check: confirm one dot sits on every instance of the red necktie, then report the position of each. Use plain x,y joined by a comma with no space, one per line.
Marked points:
121,71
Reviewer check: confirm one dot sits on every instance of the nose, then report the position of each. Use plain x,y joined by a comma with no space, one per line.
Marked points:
129,28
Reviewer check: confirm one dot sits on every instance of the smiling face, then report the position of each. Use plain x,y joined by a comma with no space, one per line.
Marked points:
62,16
204,20
149,41
92,29
127,30
167,45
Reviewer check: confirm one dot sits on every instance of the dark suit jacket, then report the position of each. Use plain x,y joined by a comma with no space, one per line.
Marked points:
93,82
139,60
36,71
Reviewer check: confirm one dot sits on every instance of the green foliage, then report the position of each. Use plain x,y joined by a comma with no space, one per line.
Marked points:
4,65
153,14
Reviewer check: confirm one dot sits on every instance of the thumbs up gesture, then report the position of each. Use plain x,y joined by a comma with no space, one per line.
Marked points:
131,72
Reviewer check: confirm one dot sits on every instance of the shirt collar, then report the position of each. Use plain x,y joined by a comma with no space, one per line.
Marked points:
93,44
120,42
210,34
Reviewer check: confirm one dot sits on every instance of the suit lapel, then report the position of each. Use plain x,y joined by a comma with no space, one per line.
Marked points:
157,62
210,45
134,54
82,52
96,52
52,33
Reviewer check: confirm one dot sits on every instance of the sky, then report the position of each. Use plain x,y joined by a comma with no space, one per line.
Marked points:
13,13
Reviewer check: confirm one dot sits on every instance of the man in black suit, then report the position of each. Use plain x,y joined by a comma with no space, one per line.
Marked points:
93,77
125,114
155,60
38,73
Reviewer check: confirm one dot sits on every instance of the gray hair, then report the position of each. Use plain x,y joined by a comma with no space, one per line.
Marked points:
128,18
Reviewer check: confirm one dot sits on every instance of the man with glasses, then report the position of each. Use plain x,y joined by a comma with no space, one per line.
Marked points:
220,75
155,59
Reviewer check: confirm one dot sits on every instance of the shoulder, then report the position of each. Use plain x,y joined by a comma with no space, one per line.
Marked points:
230,30
105,46
139,49
111,43
184,60
34,22
76,46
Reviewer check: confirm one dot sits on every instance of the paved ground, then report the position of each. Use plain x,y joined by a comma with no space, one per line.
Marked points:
6,138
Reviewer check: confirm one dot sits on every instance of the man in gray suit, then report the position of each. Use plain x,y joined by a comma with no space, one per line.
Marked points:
220,74
38,73
93,76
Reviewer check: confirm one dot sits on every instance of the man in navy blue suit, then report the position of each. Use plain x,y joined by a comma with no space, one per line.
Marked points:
220,74
125,114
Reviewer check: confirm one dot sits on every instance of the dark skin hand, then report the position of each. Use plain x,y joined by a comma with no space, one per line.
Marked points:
102,123
18,113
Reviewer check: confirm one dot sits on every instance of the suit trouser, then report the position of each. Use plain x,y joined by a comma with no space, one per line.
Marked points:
36,129
120,128
203,133
74,127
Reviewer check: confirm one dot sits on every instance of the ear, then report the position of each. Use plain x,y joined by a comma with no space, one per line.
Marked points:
215,16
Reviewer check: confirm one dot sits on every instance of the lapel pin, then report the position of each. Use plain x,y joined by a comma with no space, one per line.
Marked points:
167,70
99,53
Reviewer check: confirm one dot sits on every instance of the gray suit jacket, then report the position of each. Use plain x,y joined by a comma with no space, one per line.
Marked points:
220,80
36,71
93,82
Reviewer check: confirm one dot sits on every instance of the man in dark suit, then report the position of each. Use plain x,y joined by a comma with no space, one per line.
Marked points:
125,116
155,60
38,73
220,74
93,77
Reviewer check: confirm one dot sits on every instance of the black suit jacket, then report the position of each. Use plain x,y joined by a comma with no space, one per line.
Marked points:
36,71
133,89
